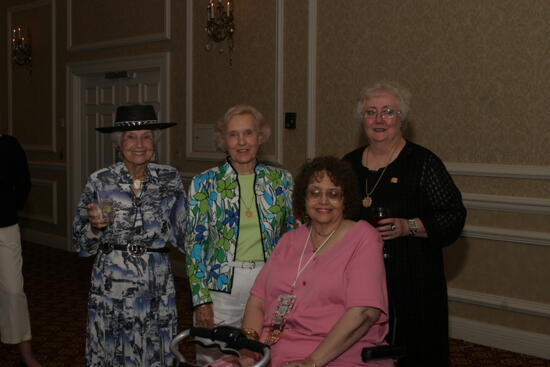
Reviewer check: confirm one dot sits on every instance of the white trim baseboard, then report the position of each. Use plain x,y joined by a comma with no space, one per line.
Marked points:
507,235
43,238
514,204
499,170
496,336
499,302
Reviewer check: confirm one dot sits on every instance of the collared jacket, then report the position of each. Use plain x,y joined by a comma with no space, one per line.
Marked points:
213,223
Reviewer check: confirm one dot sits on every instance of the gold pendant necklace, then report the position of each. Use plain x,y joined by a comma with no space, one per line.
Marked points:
248,213
367,200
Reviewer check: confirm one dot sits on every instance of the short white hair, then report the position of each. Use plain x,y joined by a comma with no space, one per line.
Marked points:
401,94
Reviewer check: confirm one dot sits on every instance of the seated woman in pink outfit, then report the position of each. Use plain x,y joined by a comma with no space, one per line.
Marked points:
321,297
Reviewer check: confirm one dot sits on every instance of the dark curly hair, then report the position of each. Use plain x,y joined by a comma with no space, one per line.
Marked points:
340,173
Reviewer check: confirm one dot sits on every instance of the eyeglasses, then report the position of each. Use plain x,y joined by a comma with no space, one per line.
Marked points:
386,113
331,194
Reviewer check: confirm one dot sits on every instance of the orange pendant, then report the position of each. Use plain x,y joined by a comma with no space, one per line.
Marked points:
248,213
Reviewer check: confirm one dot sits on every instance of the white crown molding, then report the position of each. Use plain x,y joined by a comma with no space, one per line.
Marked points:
52,146
514,204
311,80
499,302
507,235
277,157
164,35
499,170
501,337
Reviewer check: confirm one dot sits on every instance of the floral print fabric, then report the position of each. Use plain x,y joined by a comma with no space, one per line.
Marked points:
131,308
213,223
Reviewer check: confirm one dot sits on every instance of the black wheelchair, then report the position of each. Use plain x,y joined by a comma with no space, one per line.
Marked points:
228,339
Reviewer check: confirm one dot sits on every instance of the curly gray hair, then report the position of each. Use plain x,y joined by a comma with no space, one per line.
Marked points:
400,93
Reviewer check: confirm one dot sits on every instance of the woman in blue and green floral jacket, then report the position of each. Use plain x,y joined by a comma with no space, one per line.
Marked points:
237,212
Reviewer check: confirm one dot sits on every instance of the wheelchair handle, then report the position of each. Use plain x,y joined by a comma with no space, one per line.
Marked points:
232,337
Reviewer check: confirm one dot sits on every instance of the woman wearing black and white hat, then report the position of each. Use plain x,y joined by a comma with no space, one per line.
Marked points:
127,215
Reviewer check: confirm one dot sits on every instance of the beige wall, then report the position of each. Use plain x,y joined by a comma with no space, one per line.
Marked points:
478,71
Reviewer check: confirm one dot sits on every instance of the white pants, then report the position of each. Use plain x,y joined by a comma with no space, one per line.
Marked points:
14,313
229,308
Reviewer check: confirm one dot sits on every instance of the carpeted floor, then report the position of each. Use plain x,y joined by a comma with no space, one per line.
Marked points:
57,282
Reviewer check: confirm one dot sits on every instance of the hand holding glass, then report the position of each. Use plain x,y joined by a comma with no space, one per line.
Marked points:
376,214
100,213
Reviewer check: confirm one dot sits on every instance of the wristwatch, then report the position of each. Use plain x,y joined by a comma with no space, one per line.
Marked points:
413,227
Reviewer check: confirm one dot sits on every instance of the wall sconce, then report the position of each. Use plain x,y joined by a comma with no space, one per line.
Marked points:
20,47
219,23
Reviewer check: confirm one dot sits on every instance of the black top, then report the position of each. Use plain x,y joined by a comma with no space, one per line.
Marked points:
417,185
15,180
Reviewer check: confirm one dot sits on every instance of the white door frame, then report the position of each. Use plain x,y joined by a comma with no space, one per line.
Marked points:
75,72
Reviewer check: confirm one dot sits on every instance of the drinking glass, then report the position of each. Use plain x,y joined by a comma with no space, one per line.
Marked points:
376,214
105,206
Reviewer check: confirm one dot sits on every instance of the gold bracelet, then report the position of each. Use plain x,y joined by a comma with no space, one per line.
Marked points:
251,333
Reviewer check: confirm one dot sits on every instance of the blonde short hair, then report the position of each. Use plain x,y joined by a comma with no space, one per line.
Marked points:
264,131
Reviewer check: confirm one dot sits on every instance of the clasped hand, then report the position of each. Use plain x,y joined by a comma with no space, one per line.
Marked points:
391,228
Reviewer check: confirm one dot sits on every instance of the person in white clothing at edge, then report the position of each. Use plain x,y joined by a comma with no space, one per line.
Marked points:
15,185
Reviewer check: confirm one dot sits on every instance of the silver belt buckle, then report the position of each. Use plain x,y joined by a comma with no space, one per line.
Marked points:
136,249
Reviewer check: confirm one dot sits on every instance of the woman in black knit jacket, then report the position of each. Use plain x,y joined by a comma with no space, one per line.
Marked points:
424,213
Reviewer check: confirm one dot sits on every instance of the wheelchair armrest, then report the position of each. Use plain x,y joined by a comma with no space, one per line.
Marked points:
382,352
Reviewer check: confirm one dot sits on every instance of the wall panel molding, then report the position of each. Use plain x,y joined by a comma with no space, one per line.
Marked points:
509,304
52,146
44,238
501,337
499,170
507,235
312,80
514,204
277,157
164,35
53,218
47,166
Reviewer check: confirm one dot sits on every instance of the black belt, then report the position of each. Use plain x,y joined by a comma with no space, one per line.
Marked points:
135,249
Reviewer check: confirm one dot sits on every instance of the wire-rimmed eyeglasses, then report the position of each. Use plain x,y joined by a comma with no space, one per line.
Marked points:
386,113
331,194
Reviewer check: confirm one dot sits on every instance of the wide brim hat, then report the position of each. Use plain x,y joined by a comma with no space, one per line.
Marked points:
135,117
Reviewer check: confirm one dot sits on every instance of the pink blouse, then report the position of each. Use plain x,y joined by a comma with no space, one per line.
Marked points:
351,273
